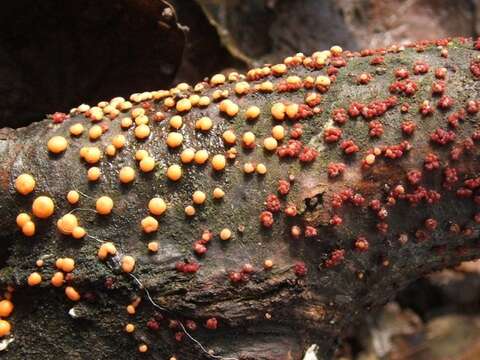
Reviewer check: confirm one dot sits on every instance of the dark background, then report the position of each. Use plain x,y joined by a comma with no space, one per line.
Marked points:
57,54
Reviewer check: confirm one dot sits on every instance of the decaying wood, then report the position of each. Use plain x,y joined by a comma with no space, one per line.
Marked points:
276,313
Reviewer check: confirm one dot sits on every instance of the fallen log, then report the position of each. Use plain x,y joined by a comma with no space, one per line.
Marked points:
245,217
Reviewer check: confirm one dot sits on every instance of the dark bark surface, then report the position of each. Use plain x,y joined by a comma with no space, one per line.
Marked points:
277,313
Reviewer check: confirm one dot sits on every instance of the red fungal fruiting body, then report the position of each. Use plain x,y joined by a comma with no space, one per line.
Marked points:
336,220
191,325
332,135
475,67
283,187
441,73
445,102
235,277
187,267
297,131
401,73
426,108
405,108
349,147
211,323
406,87
364,78
310,232
300,269
292,149
375,205
199,248
336,257
420,67
290,210
450,177
59,117
153,324
472,106
179,336
376,128
335,169
361,243
273,203
378,60
414,177
442,137
340,116
378,107
355,109
408,127
431,224
382,227
438,87
266,219
431,162
307,154
357,200
296,231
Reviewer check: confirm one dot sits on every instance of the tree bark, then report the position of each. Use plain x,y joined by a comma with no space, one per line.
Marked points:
380,247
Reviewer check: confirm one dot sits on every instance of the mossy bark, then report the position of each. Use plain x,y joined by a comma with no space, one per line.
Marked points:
276,314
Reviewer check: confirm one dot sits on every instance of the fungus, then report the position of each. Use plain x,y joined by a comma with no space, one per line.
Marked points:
270,143
73,197
57,279
152,246
149,224
22,219
6,308
218,193
5,328
201,156
78,232
105,250
67,223
72,294
25,184
28,229
174,139
76,129
57,144
225,234
93,174
95,132
278,132
34,279
252,113
147,164
229,137
174,172
157,206
126,175
43,207
278,111
204,123
127,263
218,162
199,197
104,205
142,131
183,105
